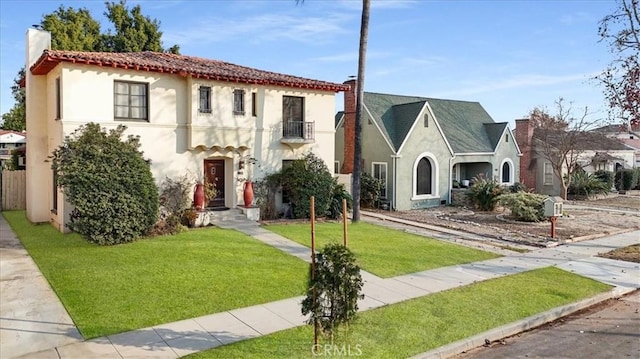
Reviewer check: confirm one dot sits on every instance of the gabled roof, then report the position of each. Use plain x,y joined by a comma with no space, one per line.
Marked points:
588,140
466,125
338,119
181,65
8,136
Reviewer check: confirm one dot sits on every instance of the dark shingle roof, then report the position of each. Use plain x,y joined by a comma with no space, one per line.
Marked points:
466,125
180,65
587,140
337,119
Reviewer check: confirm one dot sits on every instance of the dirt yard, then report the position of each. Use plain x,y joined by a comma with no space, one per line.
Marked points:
583,218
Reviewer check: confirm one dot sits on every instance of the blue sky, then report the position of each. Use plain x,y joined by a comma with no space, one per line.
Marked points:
510,56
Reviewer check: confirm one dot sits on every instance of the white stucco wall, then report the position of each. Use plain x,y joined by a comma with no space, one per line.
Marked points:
177,138
422,140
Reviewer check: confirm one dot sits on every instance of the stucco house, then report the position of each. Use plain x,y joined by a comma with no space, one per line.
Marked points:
10,141
194,115
595,151
418,146
630,137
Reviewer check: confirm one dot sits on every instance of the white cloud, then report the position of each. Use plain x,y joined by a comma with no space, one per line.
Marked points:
518,81
267,27
576,18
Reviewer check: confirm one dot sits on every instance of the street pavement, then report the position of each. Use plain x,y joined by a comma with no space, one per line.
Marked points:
177,339
609,330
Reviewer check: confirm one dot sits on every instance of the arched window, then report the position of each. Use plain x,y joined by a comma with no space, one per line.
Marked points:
423,177
507,171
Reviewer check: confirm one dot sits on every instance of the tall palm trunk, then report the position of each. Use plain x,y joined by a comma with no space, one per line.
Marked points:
357,155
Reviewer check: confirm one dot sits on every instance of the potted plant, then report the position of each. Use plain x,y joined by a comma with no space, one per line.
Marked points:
247,186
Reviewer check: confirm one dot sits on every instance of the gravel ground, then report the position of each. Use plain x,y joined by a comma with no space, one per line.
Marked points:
600,216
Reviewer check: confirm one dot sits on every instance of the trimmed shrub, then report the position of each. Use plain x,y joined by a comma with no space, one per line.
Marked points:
308,177
484,193
524,206
109,183
637,175
587,184
625,179
370,190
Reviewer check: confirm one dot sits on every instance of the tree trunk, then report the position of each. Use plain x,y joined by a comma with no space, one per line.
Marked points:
357,155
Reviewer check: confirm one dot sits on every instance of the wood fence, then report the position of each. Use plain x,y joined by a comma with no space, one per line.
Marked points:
14,184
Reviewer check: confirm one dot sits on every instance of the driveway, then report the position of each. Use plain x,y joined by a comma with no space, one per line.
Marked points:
607,330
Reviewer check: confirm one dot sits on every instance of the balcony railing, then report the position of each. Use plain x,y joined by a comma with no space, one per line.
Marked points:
298,132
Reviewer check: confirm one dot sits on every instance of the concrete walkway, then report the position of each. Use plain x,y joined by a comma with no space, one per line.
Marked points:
31,315
177,339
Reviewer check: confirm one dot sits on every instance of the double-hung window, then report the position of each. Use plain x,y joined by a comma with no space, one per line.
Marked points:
131,101
379,171
238,102
205,99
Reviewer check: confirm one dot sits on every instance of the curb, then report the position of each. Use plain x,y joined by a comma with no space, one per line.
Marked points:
507,330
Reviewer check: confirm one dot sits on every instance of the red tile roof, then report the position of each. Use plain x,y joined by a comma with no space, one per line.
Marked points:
180,65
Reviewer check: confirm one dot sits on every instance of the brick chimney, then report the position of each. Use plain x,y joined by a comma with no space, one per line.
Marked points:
524,136
349,126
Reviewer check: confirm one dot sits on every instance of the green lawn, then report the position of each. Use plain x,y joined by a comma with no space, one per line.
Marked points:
108,290
383,251
412,327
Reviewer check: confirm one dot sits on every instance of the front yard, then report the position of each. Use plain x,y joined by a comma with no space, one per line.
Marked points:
418,325
385,252
108,290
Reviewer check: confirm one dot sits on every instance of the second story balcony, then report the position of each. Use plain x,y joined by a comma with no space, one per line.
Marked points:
298,132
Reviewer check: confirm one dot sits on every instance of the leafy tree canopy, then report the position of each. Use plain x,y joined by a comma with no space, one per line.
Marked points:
76,30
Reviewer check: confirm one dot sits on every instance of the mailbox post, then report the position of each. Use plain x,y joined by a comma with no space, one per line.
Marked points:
553,209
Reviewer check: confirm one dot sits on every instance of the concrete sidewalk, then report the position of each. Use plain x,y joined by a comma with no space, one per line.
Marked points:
177,339
31,315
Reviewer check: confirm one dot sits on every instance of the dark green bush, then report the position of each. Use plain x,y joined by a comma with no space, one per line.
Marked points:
108,182
335,208
524,206
625,179
370,190
583,183
484,193
308,177
606,177
637,176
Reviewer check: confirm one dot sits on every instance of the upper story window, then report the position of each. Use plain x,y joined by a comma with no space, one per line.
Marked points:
130,101
426,120
58,100
254,104
205,99
292,109
238,102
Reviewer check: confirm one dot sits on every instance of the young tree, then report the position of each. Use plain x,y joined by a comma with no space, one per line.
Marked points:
561,139
621,79
333,293
108,182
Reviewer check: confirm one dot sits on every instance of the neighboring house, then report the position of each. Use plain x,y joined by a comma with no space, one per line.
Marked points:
630,138
598,152
194,115
418,146
10,141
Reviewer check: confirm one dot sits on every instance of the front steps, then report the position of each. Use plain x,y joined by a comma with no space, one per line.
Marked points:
210,217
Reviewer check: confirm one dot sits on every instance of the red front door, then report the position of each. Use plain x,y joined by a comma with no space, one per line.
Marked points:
214,172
